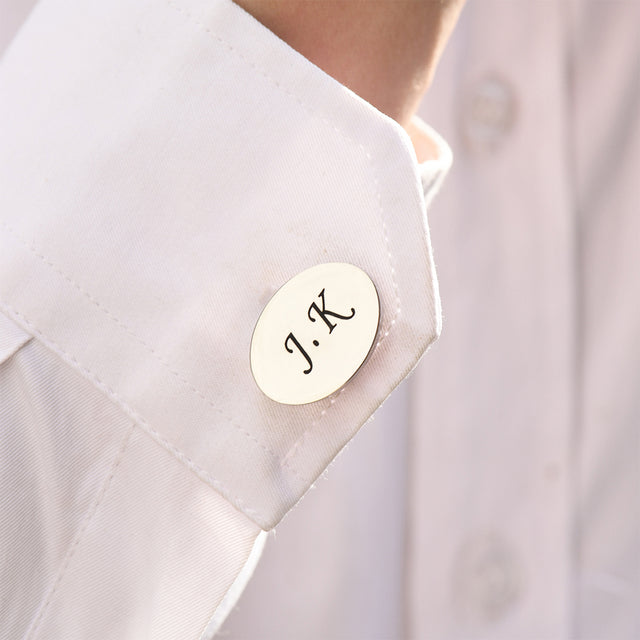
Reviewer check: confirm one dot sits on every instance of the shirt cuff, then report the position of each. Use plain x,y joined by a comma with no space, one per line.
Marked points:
167,168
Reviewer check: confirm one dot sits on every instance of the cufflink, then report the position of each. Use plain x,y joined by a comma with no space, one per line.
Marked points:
315,333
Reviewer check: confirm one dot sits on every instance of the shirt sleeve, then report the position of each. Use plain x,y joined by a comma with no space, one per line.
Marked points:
165,168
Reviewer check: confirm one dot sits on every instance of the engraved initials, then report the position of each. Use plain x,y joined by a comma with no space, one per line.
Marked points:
323,313
302,351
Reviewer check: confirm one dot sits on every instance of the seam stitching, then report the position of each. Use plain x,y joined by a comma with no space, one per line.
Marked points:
140,341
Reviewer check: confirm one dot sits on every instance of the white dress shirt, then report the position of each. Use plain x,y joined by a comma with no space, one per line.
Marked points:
165,168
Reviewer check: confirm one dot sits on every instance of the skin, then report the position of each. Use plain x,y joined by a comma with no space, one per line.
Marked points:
386,51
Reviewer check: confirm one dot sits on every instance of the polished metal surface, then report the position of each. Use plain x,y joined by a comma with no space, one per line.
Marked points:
315,333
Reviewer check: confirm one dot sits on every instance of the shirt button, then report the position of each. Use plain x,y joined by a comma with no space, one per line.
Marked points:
489,113
487,579
315,333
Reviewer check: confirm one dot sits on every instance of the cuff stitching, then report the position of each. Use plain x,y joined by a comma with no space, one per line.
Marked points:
137,338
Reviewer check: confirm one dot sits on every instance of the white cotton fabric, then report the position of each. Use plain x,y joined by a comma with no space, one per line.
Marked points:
165,168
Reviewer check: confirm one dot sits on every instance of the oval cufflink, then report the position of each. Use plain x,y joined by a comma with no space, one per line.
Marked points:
315,333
